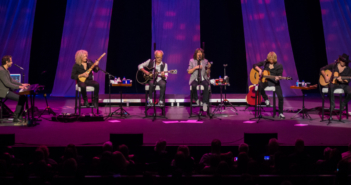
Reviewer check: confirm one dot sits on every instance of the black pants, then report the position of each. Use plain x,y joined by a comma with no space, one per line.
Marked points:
83,87
162,84
347,90
21,100
278,91
206,93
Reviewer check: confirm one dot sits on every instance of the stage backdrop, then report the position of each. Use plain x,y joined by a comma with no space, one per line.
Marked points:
336,18
16,21
265,30
86,26
176,31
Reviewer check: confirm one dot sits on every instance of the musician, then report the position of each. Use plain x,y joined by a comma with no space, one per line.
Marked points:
7,84
80,70
340,66
275,69
161,78
198,62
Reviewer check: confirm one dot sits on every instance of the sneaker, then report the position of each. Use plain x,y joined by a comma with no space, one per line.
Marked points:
161,104
197,102
204,107
150,101
281,116
267,102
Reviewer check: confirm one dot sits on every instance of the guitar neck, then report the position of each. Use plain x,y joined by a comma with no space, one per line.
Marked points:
269,76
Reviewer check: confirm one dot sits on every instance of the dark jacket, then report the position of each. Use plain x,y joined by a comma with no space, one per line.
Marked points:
6,82
276,71
333,68
79,69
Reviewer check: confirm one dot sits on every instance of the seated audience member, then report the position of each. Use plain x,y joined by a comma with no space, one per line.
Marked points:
69,167
39,167
214,161
47,158
322,164
106,163
120,163
159,160
347,153
125,151
300,161
183,160
244,148
223,168
268,159
107,146
215,150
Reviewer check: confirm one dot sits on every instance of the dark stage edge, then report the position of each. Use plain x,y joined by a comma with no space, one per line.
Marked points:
178,130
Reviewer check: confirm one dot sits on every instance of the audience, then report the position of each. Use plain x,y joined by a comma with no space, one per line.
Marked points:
182,163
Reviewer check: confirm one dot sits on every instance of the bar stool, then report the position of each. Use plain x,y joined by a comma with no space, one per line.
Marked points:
268,89
79,94
147,107
338,91
200,87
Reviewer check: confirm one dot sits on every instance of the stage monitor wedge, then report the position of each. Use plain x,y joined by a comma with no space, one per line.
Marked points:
127,139
259,139
7,139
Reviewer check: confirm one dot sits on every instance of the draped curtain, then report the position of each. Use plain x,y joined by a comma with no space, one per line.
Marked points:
265,30
336,18
16,21
176,31
86,26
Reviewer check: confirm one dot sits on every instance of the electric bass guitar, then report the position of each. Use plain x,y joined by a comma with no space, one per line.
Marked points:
255,77
328,73
142,78
83,79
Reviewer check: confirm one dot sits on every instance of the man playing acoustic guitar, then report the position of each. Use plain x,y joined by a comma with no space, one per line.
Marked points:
80,70
341,67
275,69
161,79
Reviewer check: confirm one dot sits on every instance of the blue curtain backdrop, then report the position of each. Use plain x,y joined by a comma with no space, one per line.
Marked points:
176,31
16,21
266,29
86,26
336,18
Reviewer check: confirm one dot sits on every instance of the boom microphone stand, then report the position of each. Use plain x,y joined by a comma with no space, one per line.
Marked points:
258,108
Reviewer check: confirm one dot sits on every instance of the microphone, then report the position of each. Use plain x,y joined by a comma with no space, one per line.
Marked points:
18,66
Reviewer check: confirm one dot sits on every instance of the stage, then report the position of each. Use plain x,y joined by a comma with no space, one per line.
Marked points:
179,129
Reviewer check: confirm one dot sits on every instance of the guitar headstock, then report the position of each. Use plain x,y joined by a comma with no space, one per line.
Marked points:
173,71
289,78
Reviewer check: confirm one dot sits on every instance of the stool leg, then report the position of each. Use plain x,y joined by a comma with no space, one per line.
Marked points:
92,101
75,103
340,113
347,110
191,103
79,102
145,103
323,107
274,107
1,111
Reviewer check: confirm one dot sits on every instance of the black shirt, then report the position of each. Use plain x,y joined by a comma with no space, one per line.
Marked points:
333,67
277,70
79,69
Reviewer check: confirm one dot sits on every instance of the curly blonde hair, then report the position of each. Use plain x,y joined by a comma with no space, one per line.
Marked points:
79,56
272,55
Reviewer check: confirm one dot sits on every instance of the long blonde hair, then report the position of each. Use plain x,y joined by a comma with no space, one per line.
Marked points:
79,56
272,55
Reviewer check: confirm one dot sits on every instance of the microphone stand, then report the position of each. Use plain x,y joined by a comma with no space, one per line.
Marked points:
109,91
199,91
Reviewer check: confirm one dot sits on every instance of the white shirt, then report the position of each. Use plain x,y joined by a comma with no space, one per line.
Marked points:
158,68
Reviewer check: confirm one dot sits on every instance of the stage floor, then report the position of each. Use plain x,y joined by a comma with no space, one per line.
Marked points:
177,129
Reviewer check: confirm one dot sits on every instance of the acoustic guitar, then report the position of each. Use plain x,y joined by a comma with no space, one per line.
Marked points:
83,79
142,78
255,77
250,97
334,80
